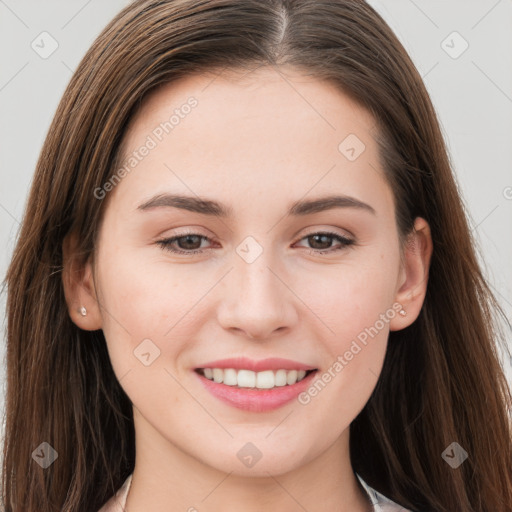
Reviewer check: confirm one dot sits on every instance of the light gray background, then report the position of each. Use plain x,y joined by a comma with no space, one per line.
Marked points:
472,95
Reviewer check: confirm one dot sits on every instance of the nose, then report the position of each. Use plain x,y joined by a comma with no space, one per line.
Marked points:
256,299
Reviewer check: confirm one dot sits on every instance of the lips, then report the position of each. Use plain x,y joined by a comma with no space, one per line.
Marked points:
243,363
256,386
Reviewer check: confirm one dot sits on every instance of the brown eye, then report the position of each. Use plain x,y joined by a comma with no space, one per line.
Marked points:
189,242
183,244
322,242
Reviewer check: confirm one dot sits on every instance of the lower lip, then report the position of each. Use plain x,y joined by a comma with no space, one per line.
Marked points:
256,400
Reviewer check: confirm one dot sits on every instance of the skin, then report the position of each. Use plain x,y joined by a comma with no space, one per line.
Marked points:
256,143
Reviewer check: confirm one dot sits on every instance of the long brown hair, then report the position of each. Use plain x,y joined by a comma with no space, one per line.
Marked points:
442,381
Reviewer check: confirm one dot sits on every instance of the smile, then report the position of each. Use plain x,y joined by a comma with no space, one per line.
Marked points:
256,386
267,379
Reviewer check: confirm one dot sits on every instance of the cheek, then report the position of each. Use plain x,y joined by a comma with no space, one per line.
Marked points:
353,297
355,305
137,310
143,293
140,308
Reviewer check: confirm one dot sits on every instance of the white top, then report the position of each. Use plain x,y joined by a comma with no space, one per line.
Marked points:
380,503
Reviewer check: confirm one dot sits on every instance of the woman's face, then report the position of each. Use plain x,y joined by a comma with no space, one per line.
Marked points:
255,160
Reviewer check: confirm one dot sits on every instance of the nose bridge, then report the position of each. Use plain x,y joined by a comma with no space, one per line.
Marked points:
257,283
255,299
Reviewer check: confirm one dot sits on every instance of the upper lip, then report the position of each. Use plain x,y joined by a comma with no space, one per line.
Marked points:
243,363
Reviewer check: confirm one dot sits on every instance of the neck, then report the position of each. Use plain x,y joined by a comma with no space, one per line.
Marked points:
166,478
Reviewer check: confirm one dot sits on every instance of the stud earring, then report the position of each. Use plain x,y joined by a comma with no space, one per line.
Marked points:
83,311
402,312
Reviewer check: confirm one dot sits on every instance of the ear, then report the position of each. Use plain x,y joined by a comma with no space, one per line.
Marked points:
79,290
413,278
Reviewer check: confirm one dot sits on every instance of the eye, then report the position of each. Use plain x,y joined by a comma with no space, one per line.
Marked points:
190,243
187,241
322,239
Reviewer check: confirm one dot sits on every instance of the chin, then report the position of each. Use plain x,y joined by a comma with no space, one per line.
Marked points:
253,459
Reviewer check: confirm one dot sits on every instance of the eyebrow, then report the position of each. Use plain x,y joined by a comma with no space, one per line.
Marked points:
214,208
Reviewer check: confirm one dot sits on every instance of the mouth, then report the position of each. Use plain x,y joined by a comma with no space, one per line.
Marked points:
255,391
248,379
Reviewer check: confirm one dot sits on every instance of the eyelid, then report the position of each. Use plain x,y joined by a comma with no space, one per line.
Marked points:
345,240
314,229
298,236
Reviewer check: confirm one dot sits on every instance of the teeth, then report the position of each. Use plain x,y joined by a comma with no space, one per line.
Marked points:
245,378
267,379
280,378
230,377
291,377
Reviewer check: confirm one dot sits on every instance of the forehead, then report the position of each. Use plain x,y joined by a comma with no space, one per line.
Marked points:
251,132
258,99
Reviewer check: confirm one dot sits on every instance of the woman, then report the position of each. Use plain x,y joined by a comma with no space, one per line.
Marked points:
326,341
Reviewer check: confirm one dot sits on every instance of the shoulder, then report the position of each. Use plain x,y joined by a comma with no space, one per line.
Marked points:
379,501
117,502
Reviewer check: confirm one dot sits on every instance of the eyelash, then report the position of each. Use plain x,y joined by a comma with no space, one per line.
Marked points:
345,242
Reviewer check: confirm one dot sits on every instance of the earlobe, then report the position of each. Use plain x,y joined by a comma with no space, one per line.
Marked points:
412,286
79,289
